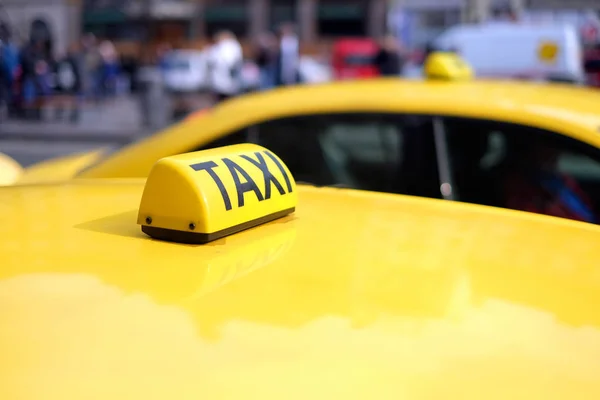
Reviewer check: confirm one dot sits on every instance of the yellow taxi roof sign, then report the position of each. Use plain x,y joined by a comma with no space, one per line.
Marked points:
447,66
205,195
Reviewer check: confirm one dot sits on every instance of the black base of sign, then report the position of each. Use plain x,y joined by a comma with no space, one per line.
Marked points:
190,237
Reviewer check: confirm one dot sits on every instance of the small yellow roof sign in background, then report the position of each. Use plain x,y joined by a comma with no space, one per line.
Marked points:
548,52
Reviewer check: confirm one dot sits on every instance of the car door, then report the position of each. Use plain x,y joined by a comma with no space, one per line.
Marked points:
369,151
483,154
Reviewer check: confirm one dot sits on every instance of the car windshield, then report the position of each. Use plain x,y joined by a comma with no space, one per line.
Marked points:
359,60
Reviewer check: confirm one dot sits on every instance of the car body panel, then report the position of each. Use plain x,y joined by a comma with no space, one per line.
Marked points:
565,109
356,295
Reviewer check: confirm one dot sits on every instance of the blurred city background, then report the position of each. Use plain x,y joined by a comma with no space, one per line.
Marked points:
81,73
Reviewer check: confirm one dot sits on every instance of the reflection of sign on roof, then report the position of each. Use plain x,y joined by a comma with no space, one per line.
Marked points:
548,52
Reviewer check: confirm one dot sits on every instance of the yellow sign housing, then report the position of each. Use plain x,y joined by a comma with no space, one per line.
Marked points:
447,66
206,195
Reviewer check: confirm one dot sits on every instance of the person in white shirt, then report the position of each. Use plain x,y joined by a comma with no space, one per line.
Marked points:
225,61
289,56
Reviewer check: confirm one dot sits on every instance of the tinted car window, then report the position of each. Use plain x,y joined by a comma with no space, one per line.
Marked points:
361,151
519,167
386,153
359,60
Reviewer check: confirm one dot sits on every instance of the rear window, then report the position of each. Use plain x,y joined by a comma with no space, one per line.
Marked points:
359,60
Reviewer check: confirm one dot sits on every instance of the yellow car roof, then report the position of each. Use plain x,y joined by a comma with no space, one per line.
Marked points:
355,295
536,103
562,108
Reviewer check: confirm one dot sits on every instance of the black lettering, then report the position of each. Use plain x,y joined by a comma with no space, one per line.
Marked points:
242,187
269,178
208,167
285,175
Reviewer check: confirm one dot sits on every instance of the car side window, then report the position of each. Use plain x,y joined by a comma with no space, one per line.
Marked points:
524,168
362,151
386,153
580,166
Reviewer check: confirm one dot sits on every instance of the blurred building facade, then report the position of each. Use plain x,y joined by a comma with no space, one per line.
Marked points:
189,22
174,20
58,21
185,20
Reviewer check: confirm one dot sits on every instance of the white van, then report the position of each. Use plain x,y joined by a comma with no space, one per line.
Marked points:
517,50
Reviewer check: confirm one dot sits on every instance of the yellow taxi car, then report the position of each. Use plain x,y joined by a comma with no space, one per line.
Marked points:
153,289
10,170
448,136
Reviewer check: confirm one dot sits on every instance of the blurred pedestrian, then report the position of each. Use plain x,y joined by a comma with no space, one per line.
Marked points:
9,62
162,55
68,83
389,59
266,59
288,59
35,74
225,62
109,68
90,63
129,70
534,183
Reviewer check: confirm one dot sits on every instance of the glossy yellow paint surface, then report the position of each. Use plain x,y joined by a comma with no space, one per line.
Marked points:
357,295
566,109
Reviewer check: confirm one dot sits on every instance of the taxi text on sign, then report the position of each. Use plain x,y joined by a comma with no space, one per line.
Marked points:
217,190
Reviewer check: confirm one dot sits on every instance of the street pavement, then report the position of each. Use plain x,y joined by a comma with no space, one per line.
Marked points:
115,123
27,153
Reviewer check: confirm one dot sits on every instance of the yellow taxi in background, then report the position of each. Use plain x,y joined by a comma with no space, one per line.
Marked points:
10,170
333,293
448,136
